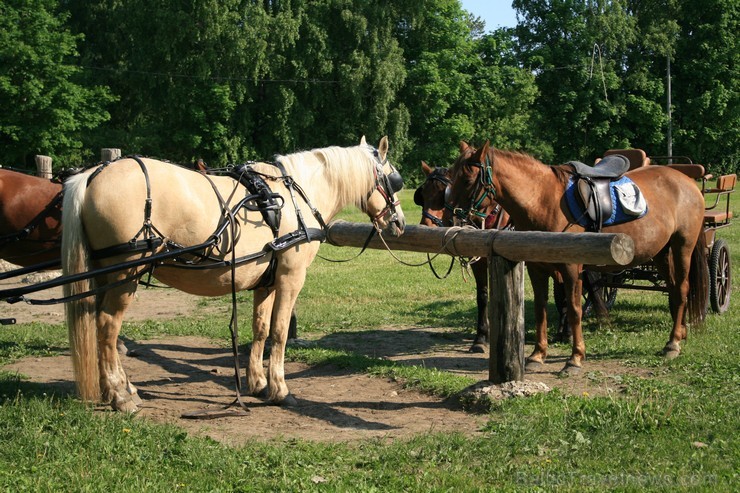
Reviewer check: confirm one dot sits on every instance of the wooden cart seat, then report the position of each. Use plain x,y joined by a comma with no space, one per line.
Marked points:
717,217
636,157
695,171
725,186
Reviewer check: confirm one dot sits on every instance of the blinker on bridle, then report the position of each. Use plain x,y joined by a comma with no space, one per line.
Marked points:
387,185
484,189
439,174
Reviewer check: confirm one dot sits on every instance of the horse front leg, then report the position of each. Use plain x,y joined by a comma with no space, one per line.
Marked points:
114,384
264,300
540,285
286,292
480,272
573,286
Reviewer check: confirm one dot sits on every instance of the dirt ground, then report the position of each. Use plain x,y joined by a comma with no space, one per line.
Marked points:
185,374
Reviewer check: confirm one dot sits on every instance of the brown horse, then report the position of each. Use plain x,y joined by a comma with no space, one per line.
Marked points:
132,209
30,218
431,197
670,234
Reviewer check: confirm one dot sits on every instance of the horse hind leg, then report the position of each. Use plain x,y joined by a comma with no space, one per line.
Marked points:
674,268
114,384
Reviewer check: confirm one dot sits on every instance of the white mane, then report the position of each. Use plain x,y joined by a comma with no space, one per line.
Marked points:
347,170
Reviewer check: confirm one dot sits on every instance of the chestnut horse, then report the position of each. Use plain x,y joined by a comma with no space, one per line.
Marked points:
431,197
30,218
155,207
670,235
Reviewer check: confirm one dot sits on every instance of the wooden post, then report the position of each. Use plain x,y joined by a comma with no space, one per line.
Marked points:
506,319
43,167
506,251
109,154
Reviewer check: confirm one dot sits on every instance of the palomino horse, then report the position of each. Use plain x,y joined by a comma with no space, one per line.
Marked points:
135,208
30,218
431,197
670,234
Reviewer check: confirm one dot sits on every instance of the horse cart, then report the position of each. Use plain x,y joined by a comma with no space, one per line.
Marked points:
600,289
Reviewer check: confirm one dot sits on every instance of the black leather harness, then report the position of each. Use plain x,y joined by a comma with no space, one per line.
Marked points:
260,198
149,238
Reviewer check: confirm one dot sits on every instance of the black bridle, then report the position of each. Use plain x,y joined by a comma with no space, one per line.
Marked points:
387,185
484,189
439,175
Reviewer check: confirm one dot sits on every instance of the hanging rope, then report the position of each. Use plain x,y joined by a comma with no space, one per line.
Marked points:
596,50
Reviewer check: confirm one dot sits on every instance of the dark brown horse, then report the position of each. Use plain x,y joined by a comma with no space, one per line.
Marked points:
670,234
30,218
431,197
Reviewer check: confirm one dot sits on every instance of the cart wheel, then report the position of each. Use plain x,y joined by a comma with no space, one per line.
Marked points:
720,277
607,294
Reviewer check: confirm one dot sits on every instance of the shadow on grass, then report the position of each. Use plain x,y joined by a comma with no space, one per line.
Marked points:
11,384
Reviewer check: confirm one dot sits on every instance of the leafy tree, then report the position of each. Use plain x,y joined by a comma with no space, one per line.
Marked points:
180,69
238,79
578,50
706,84
502,96
46,108
461,84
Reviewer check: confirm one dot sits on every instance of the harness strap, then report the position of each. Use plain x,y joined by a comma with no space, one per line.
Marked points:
33,224
15,295
22,271
147,245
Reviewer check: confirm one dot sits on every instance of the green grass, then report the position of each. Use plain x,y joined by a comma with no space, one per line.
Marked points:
675,430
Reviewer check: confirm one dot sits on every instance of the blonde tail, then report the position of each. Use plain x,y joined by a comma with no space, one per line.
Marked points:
80,313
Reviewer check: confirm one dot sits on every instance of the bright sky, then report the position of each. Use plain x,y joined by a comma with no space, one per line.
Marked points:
496,13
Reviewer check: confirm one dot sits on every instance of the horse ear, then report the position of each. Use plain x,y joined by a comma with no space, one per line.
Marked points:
463,146
363,142
383,148
426,168
479,156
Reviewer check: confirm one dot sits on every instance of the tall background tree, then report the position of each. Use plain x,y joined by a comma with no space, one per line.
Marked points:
231,80
706,83
46,109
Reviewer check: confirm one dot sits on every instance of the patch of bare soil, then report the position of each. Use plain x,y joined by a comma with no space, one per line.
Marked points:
151,303
185,374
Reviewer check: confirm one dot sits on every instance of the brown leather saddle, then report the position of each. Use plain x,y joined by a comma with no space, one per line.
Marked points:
593,184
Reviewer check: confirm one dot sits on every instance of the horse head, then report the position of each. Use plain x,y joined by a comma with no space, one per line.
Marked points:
383,205
430,195
470,195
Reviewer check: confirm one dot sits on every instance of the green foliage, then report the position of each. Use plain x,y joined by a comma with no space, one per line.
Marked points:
706,72
233,80
46,109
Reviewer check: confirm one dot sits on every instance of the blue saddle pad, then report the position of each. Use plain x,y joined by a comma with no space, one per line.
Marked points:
618,213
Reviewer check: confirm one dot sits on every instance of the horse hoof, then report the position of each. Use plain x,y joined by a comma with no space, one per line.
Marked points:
125,406
532,365
671,351
288,401
121,348
262,394
569,370
479,348
670,354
